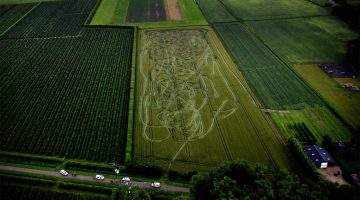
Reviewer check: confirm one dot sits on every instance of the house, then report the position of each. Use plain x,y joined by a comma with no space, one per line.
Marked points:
320,157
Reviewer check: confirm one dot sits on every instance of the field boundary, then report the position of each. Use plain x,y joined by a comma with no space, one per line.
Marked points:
92,13
132,102
15,23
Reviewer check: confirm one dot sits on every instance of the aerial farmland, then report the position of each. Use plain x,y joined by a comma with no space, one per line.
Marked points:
172,92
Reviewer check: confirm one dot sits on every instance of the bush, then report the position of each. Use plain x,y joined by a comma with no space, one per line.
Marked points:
92,167
177,176
143,169
296,148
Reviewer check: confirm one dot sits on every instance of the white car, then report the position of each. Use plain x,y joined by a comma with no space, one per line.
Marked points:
99,177
155,184
125,179
63,172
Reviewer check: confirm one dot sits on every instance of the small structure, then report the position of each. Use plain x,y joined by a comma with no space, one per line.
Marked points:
319,156
348,85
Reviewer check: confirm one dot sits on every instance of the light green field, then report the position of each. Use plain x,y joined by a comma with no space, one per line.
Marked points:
345,103
319,120
323,39
272,9
319,2
272,80
193,108
108,14
111,12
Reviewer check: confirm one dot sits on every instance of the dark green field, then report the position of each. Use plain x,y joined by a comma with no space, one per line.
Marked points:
146,11
215,11
10,14
72,102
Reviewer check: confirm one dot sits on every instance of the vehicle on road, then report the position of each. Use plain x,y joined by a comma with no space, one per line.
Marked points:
99,177
63,172
155,184
125,179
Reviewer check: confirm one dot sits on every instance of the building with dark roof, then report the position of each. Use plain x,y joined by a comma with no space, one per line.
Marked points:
320,157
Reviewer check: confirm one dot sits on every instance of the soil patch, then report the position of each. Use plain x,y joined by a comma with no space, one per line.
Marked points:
173,10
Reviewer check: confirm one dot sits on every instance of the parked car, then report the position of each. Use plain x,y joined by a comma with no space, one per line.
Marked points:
125,179
63,172
99,177
155,184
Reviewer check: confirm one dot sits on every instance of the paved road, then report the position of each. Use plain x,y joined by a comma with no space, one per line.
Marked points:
91,178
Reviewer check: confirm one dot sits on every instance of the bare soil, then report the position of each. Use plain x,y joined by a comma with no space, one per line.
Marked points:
329,172
173,10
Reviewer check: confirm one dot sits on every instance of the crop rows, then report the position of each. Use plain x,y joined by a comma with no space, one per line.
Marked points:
70,103
9,14
272,9
272,80
9,192
319,120
146,11
215,11
53,19
323,39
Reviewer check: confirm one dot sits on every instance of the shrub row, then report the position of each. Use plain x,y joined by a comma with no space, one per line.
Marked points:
297,149
30,159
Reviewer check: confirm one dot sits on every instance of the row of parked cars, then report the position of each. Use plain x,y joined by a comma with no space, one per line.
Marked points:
125,180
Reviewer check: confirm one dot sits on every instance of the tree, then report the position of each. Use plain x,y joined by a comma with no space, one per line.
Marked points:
140,195
201,186
225,182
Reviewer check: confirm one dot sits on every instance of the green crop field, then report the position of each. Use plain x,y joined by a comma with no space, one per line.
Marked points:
323,39
72,102
215,11
10,14
106,14
111,12
193,108
23,1
53,19
318,120
272,80
345,103
146,11
272,9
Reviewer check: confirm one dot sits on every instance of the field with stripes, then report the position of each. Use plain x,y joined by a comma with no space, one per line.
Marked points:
183,84
194,108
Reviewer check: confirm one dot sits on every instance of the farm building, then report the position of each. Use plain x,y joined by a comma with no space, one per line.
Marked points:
320,157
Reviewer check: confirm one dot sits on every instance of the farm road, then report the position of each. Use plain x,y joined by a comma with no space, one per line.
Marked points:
90,178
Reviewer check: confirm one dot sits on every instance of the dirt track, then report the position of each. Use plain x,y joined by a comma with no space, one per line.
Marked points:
173,11
91,178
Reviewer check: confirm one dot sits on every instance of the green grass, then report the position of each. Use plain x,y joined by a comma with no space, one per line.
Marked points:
323,39
272,9
229,121
319,2
273,81
111,12
345,103
192,15
319,120
215,11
